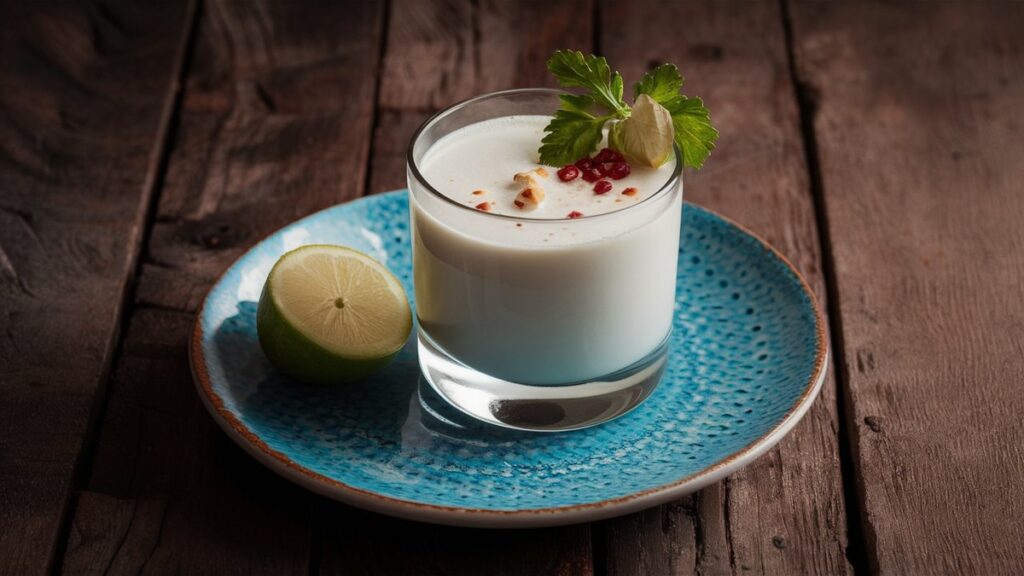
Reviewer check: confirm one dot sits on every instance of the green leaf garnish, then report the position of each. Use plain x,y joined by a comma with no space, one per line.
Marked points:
694,133
574,70
662,83
573,133
576,129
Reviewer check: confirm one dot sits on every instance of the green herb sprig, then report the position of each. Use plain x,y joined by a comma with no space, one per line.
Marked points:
575,130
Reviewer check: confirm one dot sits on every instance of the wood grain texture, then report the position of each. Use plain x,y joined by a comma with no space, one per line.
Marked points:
442,51
361,543
785,513
84,94
170,493
274,124
920,142
436,54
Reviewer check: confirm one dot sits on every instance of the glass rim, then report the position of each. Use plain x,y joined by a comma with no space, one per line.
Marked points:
668,186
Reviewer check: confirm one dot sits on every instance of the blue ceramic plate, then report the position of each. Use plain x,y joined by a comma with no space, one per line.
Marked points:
748,355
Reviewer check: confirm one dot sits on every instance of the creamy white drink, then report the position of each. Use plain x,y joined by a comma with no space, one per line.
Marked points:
575,287
477,163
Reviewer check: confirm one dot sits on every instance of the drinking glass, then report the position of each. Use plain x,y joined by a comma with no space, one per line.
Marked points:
539,324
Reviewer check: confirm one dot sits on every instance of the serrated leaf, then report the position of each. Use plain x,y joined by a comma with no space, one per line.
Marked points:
580,102
694,133
573,69
662,84
571,134
617,87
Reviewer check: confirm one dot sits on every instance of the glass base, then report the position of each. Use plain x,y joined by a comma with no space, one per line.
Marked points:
540,408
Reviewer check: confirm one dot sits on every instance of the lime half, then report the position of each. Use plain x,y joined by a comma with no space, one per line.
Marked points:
645,138
330,314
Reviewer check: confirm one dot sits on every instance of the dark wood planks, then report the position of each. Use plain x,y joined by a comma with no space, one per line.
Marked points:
85,92
441,52
438,53
785,513
920,141
274,124
358,543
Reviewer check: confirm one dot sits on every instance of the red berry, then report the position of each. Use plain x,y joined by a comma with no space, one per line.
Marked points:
616,170
584,163
602,186
568,173
575,214
608,155
591,174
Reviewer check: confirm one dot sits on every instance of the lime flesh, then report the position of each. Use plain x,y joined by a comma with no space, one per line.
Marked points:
330,314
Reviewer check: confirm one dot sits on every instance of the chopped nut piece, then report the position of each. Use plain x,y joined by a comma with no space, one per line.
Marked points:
533,193
530,197
543,173
485,206
525,179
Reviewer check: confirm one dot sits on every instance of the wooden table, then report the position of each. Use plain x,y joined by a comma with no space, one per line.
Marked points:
145,146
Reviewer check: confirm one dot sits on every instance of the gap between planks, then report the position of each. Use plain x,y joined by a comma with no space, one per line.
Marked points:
385,20
155,171
807,103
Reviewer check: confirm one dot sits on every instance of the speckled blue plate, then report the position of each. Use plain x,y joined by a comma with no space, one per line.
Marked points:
748,355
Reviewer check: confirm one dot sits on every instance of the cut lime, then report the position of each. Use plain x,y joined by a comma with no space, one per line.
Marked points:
330,314
645,138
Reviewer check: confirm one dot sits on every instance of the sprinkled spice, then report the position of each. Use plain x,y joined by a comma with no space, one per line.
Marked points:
485,206
629,192
479,192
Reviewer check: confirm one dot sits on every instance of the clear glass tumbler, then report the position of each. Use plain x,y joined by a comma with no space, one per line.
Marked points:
529,333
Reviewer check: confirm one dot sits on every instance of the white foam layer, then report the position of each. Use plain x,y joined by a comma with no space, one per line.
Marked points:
486,155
